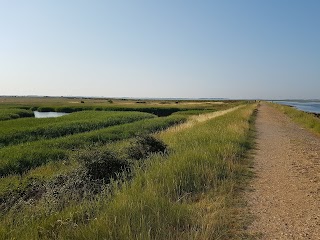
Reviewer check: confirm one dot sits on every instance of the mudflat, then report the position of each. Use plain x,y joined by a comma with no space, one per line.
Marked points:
285,194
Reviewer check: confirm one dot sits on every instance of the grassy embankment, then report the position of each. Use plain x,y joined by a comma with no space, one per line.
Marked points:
188,194
13,113
307,120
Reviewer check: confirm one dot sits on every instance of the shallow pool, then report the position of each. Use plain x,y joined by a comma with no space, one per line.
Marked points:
48,114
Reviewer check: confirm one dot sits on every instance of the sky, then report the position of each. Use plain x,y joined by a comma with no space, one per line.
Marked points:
267,49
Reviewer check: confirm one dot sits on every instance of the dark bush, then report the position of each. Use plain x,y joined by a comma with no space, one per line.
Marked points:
26,113
145,145
30,189
65,109
25,107
46,109
160,112
103,164
74,186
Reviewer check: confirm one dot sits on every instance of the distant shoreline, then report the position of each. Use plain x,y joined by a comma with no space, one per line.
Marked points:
305,106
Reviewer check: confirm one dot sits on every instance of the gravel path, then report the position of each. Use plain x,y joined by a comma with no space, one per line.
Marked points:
285,196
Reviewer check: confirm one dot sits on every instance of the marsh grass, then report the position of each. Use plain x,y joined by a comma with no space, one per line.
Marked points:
188,194
13,113
170,199
23,157
14,184
27,130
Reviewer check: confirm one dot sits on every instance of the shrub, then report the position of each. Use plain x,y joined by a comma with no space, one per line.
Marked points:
103,164
73,186
13,113
145,145
30,189
46,109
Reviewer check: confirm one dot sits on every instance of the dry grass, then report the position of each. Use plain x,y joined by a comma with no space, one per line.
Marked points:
193,120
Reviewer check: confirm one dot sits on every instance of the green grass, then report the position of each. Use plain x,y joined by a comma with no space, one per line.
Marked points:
27,130
157,107
13,113
307,120
157,110
45,172
14,187
22,157
162,201
186,195
194,112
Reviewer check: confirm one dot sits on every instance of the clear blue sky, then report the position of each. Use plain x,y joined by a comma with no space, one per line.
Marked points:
167,48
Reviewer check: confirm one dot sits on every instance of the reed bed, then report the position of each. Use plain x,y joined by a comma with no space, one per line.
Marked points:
18,159
13,113
32,129
187,194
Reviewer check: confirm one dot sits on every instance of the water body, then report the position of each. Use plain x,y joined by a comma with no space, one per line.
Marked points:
313,107
48,114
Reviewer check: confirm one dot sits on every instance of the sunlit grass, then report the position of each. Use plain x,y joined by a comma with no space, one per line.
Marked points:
166,200
22,157
186,195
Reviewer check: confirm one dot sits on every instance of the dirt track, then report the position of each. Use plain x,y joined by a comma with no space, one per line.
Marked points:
285,196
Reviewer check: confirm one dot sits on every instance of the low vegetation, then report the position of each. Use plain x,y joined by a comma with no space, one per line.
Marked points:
122,175
186,195
159,111
22,157
27,130
145,145
7,114
180,184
